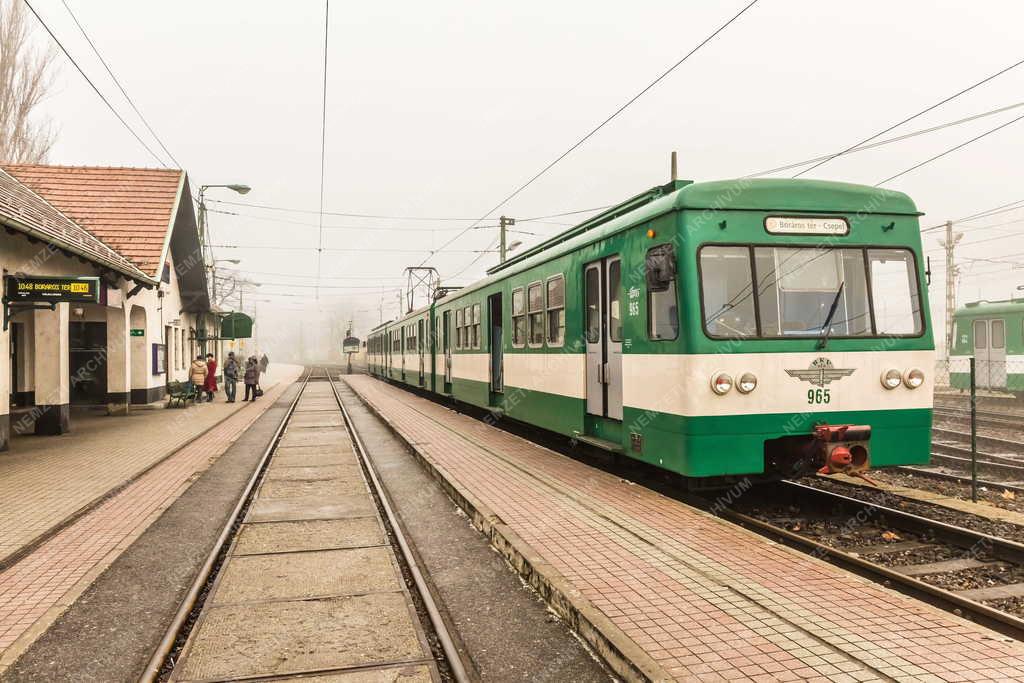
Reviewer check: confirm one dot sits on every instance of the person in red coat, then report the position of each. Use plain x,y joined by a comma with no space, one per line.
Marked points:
210,385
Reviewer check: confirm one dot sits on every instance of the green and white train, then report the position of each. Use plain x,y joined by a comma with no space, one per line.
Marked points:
992,332
642,331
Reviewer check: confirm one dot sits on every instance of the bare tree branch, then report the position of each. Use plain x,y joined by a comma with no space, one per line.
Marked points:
26,78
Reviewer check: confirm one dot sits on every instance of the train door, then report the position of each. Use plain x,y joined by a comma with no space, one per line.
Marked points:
446,333
421,347
603,285
990,354
497,343
404,347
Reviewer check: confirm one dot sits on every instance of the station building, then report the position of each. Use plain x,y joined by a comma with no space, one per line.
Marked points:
135,229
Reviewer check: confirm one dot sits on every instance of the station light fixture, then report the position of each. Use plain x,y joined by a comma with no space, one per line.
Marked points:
892,378
721,383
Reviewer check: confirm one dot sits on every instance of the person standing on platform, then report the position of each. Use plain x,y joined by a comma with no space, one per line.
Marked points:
197,377
264,364
210,386
252,377
231,377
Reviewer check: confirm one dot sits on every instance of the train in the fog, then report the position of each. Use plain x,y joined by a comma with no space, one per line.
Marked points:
755,327
993,333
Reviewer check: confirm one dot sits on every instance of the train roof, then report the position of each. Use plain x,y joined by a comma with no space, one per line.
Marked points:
982,309
740,194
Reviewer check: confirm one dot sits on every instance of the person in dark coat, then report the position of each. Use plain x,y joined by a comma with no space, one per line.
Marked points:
231,370
210,385
252,377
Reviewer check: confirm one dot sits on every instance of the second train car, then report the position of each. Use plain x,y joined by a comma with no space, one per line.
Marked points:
721,329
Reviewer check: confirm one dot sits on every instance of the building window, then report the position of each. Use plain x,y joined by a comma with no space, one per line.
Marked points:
518,317
535,303
476,326
556,310
662,306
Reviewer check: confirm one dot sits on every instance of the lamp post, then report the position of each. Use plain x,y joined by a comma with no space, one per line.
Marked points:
203,243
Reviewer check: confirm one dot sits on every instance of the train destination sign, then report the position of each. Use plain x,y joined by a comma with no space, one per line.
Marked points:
52,289
805,225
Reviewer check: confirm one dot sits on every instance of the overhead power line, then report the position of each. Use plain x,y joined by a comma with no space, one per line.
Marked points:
360,228
323,143
1003,208
888,141
119,86
950,150
912,117
93,85
600,125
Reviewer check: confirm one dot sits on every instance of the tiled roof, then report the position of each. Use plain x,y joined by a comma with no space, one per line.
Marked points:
129,209
23,210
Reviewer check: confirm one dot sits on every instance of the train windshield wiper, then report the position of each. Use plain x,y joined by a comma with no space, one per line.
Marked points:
826,328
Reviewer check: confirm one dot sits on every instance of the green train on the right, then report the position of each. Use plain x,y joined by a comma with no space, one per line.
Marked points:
992,332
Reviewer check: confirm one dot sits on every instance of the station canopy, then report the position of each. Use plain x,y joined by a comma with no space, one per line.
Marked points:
236,326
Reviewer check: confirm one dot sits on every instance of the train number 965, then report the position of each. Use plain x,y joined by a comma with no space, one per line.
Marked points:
818,396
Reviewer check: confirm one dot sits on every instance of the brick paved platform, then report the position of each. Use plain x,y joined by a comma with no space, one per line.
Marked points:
35,589
665,591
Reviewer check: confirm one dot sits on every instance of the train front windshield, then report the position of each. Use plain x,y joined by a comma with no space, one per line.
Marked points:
856,292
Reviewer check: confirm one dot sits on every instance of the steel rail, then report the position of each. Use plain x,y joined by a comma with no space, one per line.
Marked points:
188,604
945,476
984,441
1003,622
444,636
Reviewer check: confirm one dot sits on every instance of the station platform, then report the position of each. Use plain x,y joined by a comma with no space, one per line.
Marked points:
665,591
73,503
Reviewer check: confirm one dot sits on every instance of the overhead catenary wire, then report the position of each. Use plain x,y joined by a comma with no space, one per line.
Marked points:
889,141
911,118
323,142
597,128
93,85
120,87
951,150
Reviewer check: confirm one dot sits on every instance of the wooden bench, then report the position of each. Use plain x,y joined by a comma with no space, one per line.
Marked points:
182,393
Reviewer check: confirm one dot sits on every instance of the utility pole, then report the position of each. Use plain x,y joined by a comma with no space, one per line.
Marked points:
503,223
949,244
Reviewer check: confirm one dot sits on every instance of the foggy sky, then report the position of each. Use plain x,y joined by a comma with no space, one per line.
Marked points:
442,108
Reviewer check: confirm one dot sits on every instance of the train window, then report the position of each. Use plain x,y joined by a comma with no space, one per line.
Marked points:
593,305
518,317
467,331
614,298
727,290
662,302
798,289
476,326
998,334
556,310
894,291
535,303
459,329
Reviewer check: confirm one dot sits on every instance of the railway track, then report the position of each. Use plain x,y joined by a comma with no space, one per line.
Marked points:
950,551
989,443
162,665
985,418
956,478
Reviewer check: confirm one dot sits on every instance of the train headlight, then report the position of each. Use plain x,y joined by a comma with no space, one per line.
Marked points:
721,383
913,378
747,383
892,378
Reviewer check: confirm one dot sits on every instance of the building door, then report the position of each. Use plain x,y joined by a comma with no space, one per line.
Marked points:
88,362
421,348
446,345
497,342
603,285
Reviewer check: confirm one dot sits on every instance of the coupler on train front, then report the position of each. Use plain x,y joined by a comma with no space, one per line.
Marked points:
828,449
